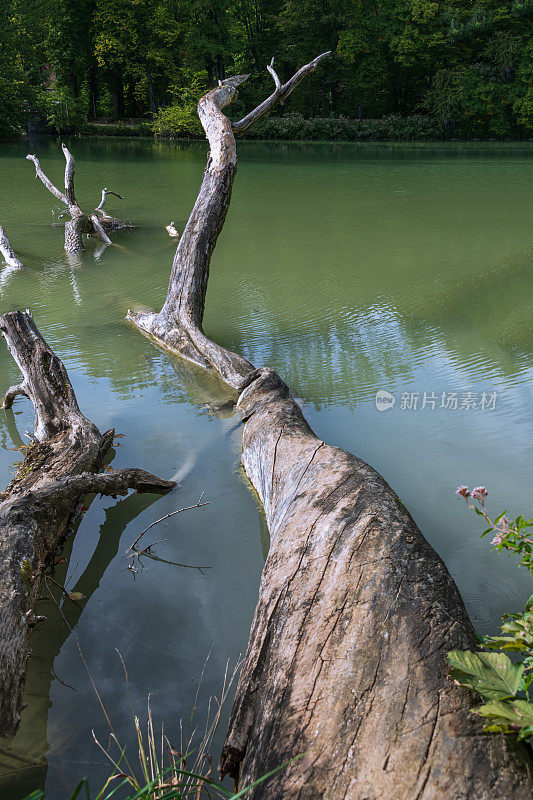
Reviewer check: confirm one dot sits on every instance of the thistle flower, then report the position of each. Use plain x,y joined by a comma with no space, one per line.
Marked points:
479,493
463,491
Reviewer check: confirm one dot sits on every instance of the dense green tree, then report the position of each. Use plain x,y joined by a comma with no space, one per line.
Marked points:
465,64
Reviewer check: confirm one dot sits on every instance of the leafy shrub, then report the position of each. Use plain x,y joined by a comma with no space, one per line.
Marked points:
62,110
504,686
119,129
390,128
178,122
478,101
12,111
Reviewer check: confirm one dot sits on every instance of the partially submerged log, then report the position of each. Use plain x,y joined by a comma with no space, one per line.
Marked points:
346,659
7,251
172,231
108,222
60,467
79,223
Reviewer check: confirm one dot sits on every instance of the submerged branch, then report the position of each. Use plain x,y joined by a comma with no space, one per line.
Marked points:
198,504
7,251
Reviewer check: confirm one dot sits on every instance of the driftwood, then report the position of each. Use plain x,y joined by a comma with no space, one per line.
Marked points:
79,223
346,658
7,251
59,468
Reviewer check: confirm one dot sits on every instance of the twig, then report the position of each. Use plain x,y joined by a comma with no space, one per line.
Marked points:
198,504
148,554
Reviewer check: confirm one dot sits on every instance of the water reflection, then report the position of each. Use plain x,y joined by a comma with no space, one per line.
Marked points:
346,268
23,761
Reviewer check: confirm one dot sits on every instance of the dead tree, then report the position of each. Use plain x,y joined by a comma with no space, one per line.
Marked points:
60,466
11,259
79,223
346,658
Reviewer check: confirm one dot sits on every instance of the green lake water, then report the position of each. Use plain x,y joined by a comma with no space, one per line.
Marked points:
349,269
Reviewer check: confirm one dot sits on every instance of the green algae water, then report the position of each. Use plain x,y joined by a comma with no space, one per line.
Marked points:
351,270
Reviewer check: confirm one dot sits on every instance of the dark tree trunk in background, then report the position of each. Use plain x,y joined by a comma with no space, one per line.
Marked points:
59,468
360,108
116,87
210,67
220,71
151,95
93,94
346,658
74,85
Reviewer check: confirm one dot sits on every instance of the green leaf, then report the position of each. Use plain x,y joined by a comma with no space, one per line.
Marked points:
529,604
517,712
505,643
524,733
493,675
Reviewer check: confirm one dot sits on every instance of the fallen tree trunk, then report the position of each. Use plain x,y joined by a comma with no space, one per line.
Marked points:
7,251
59,468
346,658
79,223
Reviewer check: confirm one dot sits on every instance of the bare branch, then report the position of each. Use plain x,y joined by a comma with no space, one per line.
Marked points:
69,176
100,232
270,68
48,183
13,392
198,504
105,192
112,483
8,252
280,93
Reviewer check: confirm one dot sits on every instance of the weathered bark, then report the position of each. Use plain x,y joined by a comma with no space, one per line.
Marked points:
346,661
7,251
346,658
79,223
59,468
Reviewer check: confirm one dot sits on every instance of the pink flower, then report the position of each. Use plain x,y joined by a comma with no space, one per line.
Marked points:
498,539
463,491
479,493
504,523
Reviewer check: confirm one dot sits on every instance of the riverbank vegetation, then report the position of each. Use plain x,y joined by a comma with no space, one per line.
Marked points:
403,69
504,685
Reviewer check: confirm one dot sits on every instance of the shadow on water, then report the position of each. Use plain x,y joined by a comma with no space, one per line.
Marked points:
23,760
23,764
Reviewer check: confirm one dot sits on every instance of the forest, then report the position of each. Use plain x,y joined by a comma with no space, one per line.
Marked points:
400,68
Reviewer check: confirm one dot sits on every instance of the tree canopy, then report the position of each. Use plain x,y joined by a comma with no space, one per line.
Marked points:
465,63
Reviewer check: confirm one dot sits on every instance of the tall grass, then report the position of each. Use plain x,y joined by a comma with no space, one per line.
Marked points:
164,772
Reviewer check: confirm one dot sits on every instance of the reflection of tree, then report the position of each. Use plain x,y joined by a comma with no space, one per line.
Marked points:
23,759
486,318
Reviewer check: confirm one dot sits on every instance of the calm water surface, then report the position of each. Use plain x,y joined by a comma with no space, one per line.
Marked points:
346,268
